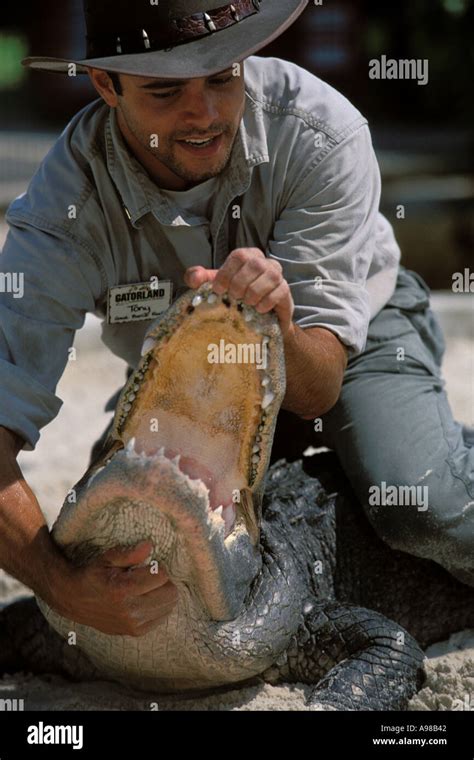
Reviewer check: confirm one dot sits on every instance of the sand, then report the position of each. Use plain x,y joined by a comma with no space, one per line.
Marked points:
450,675
60,459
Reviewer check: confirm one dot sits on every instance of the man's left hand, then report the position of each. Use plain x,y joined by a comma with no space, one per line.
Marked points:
249,275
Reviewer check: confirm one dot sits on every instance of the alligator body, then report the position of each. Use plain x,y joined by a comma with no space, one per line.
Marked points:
279,575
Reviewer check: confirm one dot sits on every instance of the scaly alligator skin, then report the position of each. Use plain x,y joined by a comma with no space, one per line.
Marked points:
258,575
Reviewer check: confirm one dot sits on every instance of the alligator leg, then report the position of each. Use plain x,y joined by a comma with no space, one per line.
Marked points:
28,643
357,659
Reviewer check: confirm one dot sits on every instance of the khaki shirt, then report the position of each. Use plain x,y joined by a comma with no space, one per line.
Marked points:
92,219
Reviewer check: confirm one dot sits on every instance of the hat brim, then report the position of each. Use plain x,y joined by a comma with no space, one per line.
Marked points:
201,57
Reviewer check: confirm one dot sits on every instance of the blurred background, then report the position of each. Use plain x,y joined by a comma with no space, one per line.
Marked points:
423,136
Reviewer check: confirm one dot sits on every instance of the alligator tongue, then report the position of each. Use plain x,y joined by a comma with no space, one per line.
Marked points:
195,469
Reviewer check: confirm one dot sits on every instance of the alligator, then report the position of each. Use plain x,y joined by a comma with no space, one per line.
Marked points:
280,577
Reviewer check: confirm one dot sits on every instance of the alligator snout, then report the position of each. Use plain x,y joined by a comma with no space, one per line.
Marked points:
190,446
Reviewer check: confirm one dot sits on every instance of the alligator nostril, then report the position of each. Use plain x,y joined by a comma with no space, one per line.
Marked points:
240,307
190,309
226,300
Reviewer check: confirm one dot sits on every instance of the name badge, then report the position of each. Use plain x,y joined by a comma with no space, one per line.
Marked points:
132,303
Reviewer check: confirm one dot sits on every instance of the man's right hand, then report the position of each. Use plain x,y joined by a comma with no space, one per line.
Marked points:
116,597
111,594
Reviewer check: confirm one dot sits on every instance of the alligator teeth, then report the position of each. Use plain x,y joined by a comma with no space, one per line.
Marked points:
94,475
130,447
218,511
228,514
248,316
267,399
127,407
212,298
255,449
196,300
265,380
176,460
148,344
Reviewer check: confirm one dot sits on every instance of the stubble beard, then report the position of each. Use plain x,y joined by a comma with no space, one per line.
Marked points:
166,152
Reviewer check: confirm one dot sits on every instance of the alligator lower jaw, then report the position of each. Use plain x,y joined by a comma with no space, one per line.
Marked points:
197,476
138,497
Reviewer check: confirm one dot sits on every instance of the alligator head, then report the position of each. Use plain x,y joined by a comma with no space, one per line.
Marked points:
185,462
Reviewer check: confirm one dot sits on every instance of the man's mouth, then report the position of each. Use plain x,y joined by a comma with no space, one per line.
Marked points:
203,145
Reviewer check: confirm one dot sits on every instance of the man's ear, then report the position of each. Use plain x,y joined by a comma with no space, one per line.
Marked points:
104,86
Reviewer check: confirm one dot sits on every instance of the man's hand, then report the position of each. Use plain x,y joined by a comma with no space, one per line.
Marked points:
112,594
249,275
115,596
315,358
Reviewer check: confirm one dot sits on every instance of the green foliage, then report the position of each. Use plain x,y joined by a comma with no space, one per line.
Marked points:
13,47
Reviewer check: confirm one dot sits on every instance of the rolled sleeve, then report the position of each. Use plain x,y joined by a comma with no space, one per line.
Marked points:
325,239
37,326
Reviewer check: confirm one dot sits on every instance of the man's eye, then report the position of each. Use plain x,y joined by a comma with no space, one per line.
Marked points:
222,81
163,95
174,92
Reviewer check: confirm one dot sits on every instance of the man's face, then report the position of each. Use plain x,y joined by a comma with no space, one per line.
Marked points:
160,117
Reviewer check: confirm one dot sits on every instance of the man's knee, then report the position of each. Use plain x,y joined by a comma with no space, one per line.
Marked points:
430,518
397,512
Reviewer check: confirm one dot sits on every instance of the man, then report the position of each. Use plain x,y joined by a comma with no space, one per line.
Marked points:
258,176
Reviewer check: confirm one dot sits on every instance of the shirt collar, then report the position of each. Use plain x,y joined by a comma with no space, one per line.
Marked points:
141,196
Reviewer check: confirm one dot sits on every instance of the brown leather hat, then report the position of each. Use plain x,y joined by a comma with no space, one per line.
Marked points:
174,38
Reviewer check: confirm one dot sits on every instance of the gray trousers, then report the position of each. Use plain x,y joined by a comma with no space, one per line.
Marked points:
393,426
394,434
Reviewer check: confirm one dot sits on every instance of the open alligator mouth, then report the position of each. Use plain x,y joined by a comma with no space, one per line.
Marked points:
191,441
204,396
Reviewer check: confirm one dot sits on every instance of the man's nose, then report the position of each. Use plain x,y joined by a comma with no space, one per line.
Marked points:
201,108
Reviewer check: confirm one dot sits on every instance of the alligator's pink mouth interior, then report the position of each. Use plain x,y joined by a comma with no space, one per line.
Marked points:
208,413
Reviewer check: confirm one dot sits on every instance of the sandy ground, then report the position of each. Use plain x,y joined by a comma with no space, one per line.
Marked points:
61,458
